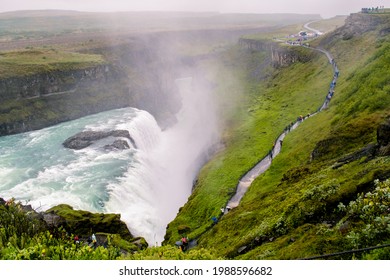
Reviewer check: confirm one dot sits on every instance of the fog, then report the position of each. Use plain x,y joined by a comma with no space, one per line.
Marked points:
326,9
183,150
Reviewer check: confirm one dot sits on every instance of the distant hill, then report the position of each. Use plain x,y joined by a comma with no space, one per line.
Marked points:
58,21
39,13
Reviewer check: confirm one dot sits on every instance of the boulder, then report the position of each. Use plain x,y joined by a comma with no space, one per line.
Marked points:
84,223
117,145
383,134
140,243
76,144
381,148
84,139
383,138
53,220
81,223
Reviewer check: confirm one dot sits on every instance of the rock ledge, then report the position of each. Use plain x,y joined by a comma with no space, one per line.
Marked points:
84,139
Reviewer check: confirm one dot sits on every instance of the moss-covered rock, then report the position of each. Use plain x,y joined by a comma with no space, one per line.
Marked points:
85,223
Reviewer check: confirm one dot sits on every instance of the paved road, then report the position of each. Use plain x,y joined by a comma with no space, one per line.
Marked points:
312,29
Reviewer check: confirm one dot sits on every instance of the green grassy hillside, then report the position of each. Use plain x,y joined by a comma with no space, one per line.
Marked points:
36,61
253,130
304,205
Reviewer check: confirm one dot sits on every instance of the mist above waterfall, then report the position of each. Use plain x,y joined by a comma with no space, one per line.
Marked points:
153,189
185,147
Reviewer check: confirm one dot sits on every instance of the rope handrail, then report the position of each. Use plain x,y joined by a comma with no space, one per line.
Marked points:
347,252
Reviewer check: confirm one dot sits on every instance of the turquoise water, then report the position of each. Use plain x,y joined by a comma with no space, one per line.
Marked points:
146,185
36,168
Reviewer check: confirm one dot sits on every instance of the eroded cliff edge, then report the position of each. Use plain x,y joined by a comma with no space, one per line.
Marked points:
34,95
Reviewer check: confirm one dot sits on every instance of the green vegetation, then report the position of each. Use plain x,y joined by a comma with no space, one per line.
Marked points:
37,61
23,237
330,24
46,55
362,223
82,222
281,33
264,112
290,211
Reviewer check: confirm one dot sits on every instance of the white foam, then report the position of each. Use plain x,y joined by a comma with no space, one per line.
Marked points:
146,185
134,195
4,172
169,162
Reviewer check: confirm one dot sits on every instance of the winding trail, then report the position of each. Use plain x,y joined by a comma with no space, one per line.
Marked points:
245,182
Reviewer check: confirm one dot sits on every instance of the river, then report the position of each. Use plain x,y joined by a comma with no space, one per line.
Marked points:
146,185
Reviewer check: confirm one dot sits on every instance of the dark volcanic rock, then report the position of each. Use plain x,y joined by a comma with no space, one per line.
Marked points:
369,152
383,134
383,138
86,138
118,145
53,220
381,148
76,144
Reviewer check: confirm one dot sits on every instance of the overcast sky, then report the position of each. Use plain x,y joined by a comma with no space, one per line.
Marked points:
326,8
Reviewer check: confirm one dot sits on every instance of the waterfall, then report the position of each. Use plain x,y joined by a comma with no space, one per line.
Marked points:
146,185
168,167
134,195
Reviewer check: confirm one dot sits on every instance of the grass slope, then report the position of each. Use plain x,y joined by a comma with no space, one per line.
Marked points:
265,110
35,61
292,211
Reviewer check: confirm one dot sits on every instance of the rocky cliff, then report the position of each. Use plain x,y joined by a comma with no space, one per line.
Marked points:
281,55
357,25
74,222
45,98
54,82
131,75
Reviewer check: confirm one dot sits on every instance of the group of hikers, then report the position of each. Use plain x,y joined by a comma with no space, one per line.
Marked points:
333,83
331,90
287,129
379,9
330,94
91,241
183,243
301,118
